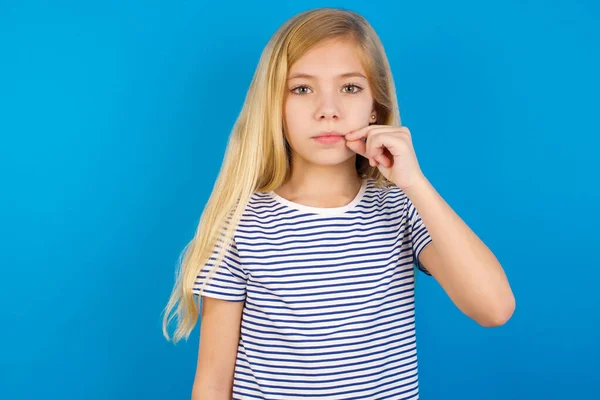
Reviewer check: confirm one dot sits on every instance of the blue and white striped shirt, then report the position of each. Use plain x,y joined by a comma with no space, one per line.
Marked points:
329,297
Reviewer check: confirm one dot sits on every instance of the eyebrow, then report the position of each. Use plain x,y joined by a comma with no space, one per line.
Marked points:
346,75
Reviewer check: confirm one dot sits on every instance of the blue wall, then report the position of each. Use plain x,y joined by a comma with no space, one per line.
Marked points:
114,118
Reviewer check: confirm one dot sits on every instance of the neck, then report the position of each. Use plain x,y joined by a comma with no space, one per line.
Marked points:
322,185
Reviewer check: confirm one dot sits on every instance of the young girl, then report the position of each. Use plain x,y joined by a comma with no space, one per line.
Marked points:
303,262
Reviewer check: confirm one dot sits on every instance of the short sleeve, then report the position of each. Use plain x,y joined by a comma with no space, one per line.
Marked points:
419,236
229,282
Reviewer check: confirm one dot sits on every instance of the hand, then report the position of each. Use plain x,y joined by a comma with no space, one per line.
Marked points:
390,149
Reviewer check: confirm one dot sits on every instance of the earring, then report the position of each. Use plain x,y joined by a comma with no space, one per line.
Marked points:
372,116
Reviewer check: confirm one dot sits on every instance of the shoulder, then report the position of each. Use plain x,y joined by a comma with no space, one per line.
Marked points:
259,203
262,208
386,195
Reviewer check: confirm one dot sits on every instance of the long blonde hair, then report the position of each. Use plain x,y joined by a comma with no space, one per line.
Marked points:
257,159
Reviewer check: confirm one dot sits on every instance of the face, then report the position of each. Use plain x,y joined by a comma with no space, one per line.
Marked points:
327,92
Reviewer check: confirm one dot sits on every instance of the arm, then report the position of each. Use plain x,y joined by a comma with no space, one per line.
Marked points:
462,264
217,352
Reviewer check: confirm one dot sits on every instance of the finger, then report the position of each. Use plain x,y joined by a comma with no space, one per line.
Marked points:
374,145
357,146
361,133
369,153
377,149
369,130
375,153
394,144
385,160
382,159
360,147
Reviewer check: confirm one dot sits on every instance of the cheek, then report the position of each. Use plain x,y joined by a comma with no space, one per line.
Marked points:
361,110
295,116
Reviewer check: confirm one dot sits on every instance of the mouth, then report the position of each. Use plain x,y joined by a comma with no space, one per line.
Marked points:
330,133
329,137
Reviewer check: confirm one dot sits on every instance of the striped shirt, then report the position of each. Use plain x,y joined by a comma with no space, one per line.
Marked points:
329,297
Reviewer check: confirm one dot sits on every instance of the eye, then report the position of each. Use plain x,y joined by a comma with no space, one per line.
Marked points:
302,87
355,88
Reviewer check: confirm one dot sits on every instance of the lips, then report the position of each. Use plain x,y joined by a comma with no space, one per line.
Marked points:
329,137
332,133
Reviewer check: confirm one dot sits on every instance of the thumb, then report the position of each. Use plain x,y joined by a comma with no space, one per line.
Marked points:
357,146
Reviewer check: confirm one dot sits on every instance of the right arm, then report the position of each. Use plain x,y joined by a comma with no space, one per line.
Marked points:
219,338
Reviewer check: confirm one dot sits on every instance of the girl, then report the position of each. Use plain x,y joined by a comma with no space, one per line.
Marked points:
303,259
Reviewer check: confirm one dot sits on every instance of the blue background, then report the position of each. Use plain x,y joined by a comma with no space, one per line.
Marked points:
114,118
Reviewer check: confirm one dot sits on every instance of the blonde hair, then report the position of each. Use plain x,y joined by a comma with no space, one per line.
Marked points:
256,157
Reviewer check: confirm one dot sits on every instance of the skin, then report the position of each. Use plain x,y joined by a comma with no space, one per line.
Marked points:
461,263
325,175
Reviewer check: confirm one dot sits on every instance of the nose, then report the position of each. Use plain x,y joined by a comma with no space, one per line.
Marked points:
328,107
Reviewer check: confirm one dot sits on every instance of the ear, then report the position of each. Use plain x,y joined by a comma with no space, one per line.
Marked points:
373,117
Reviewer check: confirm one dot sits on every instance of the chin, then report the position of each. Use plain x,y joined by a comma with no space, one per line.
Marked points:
330,159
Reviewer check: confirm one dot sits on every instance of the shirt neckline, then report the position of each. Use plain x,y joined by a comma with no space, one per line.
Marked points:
324,210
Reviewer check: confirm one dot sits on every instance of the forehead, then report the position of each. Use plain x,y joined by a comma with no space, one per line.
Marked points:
332,57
